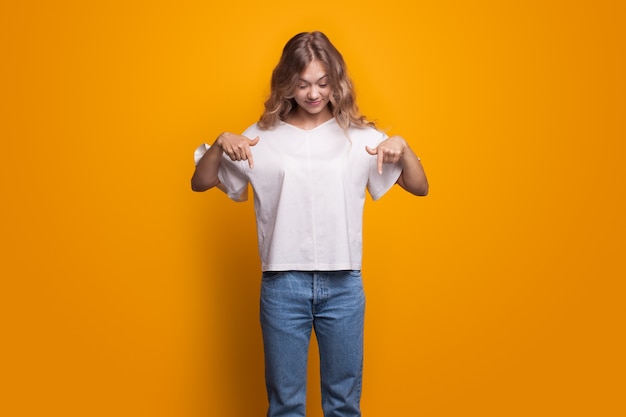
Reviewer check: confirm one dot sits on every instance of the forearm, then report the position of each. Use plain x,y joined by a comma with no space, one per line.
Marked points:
413,178
205,174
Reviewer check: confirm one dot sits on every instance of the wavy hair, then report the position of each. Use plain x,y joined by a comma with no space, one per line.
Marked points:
299,52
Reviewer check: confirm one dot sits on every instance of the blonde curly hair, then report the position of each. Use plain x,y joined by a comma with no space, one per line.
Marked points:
297,54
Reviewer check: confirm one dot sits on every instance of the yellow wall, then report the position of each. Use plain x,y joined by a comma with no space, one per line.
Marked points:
500,294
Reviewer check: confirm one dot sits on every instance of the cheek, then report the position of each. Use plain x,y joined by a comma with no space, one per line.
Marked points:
299,95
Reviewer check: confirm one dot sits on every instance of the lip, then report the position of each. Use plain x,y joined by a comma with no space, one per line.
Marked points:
314,103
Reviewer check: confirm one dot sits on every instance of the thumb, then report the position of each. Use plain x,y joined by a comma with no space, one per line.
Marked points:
254,141
371,151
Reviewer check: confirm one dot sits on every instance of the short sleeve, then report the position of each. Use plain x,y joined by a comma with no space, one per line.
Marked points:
379,184
233,179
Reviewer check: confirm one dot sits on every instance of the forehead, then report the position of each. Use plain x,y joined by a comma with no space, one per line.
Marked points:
313,71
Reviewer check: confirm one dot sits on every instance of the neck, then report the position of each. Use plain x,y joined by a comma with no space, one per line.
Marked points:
305,120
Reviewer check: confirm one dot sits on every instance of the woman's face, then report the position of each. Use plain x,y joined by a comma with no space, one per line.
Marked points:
312,90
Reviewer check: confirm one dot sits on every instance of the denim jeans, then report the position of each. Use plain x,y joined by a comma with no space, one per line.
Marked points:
333,304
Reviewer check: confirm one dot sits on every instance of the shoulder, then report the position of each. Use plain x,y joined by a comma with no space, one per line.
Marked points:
256,130
252,130
366,134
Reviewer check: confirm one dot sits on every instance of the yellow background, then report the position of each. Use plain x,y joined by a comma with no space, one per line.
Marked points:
499,294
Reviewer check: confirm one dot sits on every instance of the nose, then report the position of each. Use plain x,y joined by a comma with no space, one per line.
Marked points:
313,93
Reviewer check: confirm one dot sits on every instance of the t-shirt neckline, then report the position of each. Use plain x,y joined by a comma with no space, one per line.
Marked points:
332,119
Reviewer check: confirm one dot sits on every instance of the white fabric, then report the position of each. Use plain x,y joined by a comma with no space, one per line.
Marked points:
309,192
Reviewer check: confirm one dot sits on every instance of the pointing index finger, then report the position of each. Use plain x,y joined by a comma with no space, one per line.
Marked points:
250,158
249,152
379,157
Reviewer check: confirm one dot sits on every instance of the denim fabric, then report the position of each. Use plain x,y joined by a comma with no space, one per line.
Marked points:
332,303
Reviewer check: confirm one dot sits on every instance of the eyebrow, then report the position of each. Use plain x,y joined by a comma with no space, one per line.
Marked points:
319,79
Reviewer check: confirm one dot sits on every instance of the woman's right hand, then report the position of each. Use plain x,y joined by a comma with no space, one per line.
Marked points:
237,147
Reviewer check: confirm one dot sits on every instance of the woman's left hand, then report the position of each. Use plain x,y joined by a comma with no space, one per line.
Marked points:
388,151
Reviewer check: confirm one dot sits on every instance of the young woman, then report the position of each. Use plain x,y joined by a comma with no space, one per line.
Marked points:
309,159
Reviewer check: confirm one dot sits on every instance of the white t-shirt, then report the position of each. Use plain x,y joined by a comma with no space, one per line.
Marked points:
309,192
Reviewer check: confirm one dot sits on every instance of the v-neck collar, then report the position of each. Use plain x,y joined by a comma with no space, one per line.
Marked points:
332,119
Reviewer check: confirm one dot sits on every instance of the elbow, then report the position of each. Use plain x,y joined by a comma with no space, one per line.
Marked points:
421,192
416,185
417,188
199,186
424,190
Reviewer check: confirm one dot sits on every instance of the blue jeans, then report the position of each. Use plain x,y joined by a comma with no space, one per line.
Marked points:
333,304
